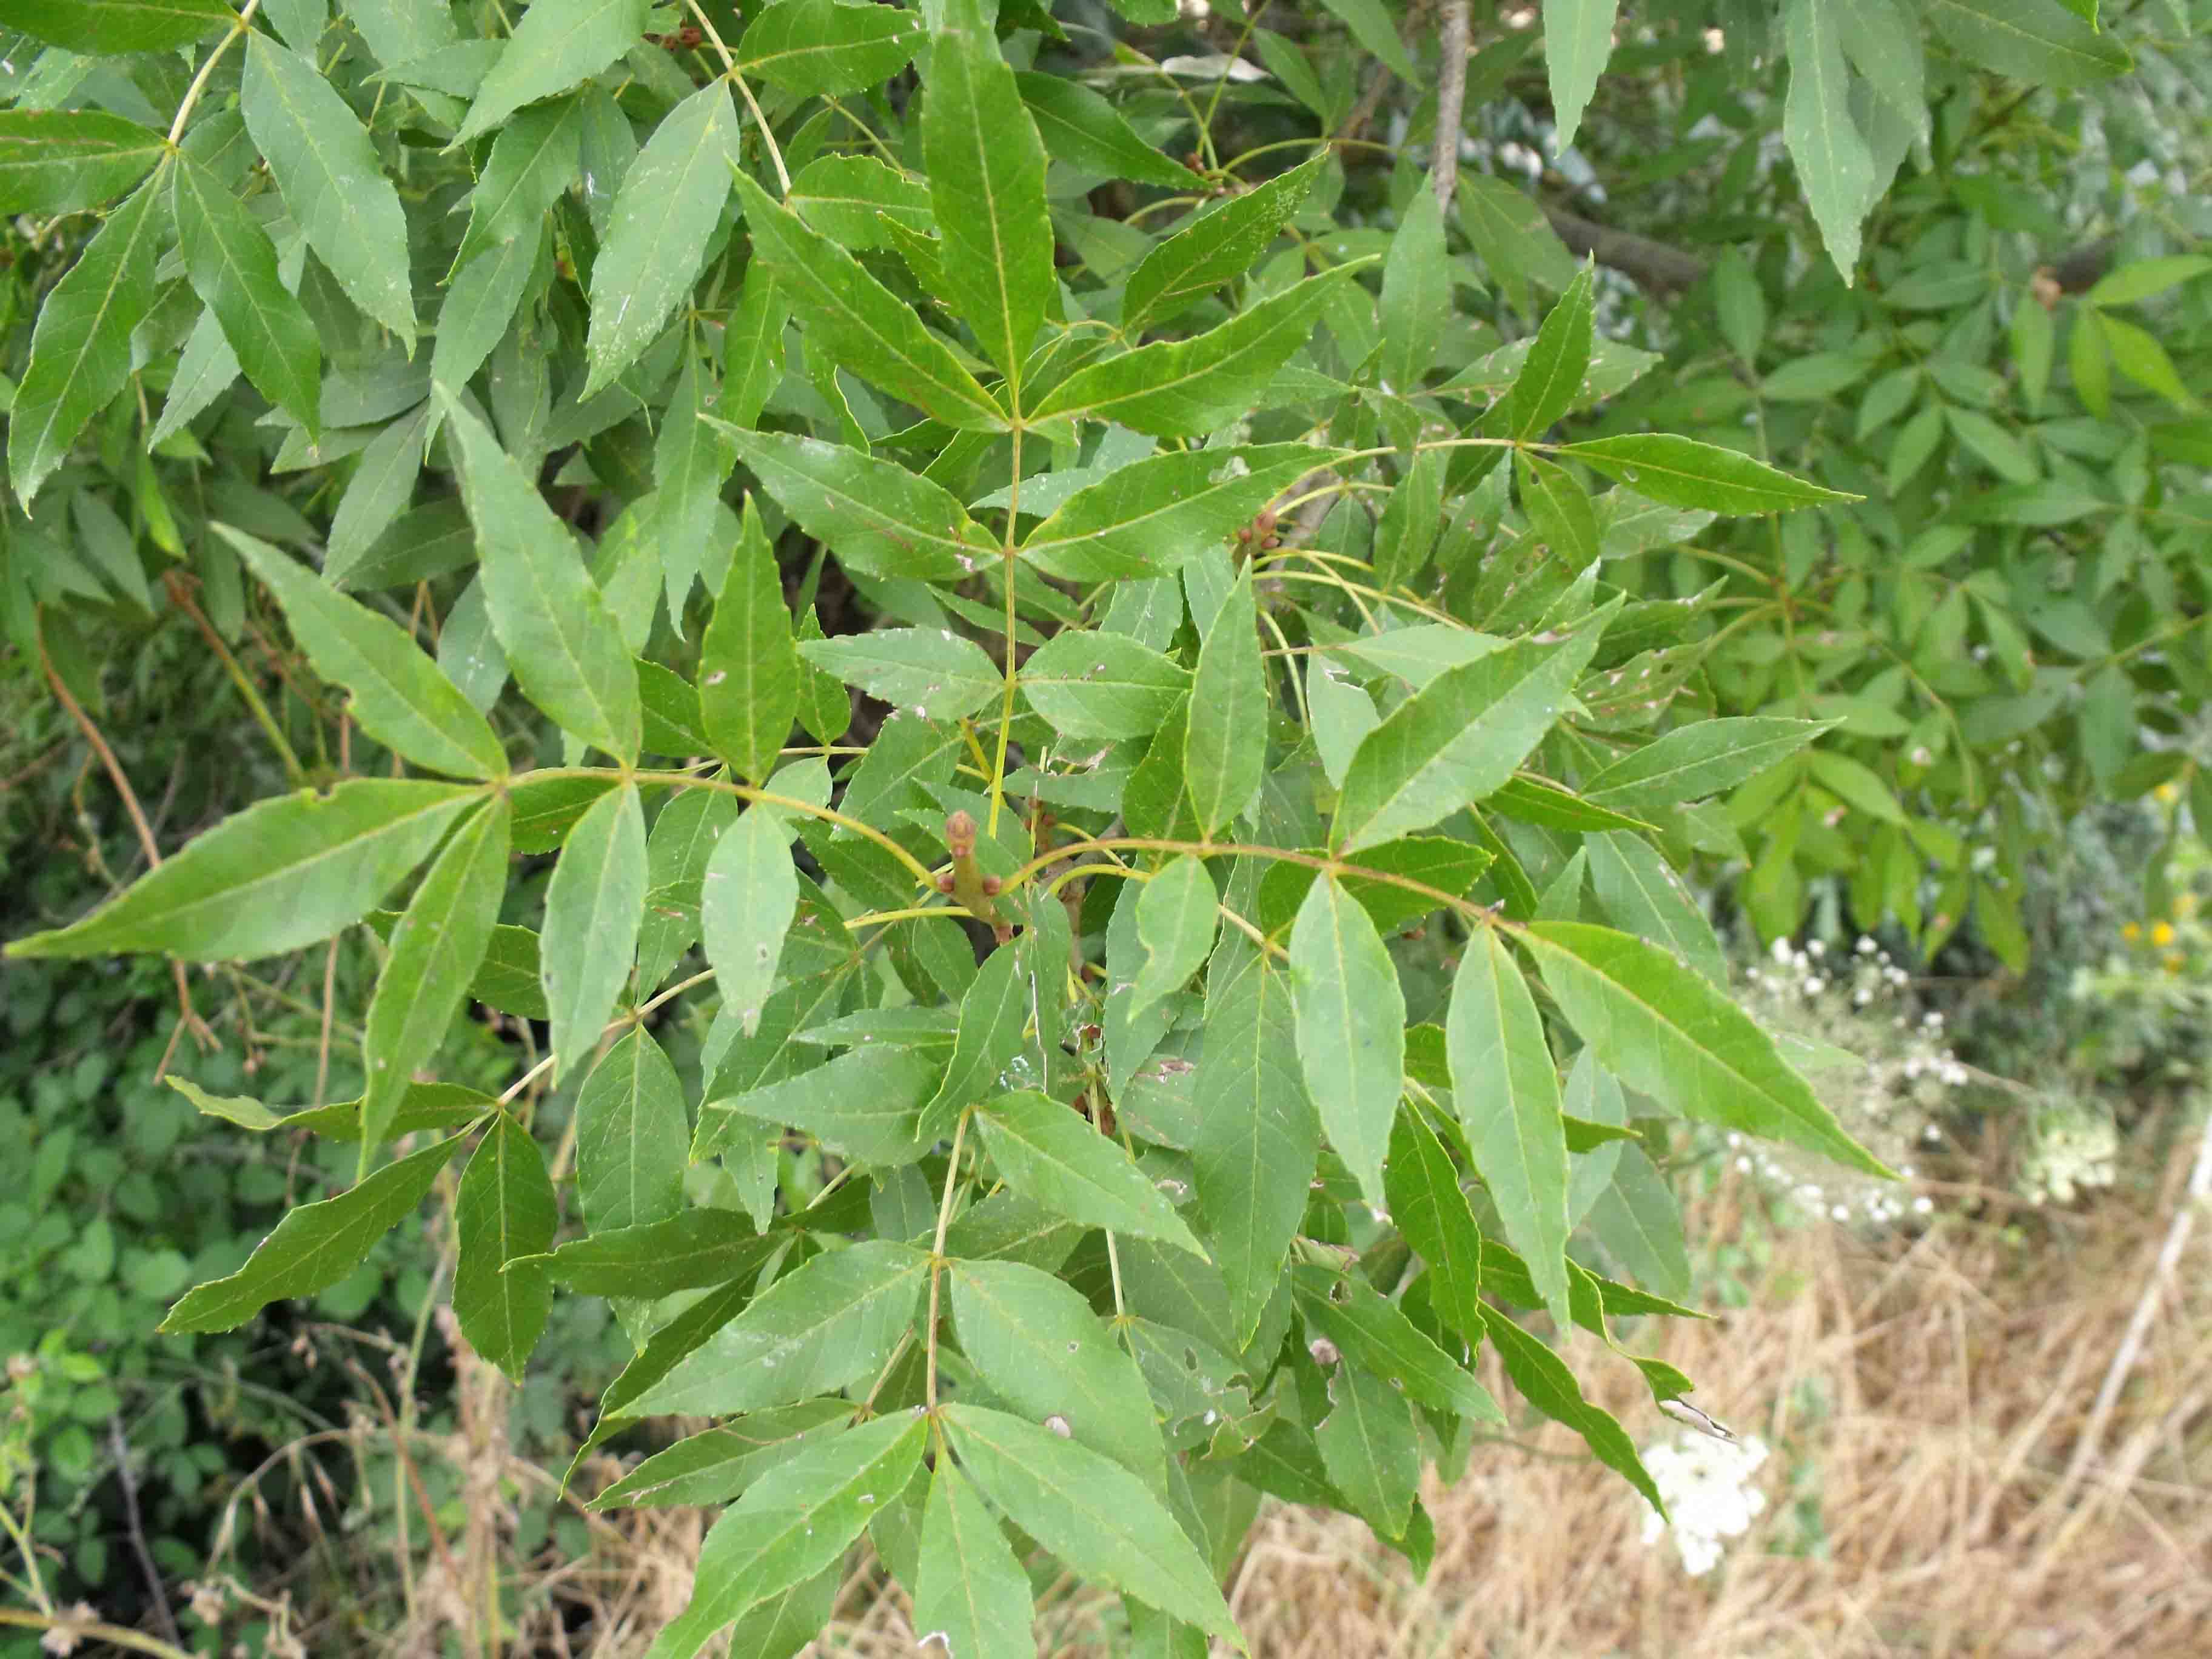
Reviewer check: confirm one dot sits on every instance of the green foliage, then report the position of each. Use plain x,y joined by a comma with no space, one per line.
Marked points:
977,542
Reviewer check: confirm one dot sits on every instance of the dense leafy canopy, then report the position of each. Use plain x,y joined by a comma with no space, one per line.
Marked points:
1167,688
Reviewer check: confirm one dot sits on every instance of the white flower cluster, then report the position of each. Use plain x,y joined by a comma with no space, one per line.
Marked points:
1859,1001
2075,1147
1707,1487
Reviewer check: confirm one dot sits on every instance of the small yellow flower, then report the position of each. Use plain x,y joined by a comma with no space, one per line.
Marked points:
2162,933
2130,931
2169,792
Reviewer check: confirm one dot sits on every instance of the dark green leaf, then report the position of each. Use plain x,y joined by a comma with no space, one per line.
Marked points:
117,26
594,905
1148,517
714,1466
880,518
855,320
1045,1354
971,1592
1682,472
691,1249
1082,129
633,1136
1433,1214
1259,1139
1663,1030
748,665
232,268
1417,290
1505,1087
435,953
328,170
864,1104
55,162
1213,249
985,167
1226,748
1551,379
813,48
794,1521
1546,1382
1459,738
561,639
285,872
314,1246
506,1211
832,1322
1694,762
2038,41
1090,1512
399,697
558,44
666,210
1351,1027
1050,1153
81,344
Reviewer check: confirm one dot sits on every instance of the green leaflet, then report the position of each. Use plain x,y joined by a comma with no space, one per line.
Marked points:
691,1250
1258,1139
285,872
1093,1514
1461,738
1053,1155
561,639
794,1523
933,671
1832,160
1082,128
399,697
531,164
1678,471
80,347
1431,1210
858,322
747,900
1550,378
1351,1027
1417,284
332,181
864,1104
1213,249
1178,913
666,209
1045,1354
1505,1086
119,25
833,1321
1577,40
814,47
985,167
314,1246
1102,685
506,1211
2042,42
1662,1030
233,269
594,907
1180,388
1146,519
970,1586
435,953
716,1464
749,667
1369,1442
557,43
1226,748
633,1136
1694,762
879,519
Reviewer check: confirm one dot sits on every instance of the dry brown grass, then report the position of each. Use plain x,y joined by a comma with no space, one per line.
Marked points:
1956,1374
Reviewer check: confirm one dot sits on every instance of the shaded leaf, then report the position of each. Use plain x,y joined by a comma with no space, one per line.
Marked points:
1050,1153
594,905
506,1211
